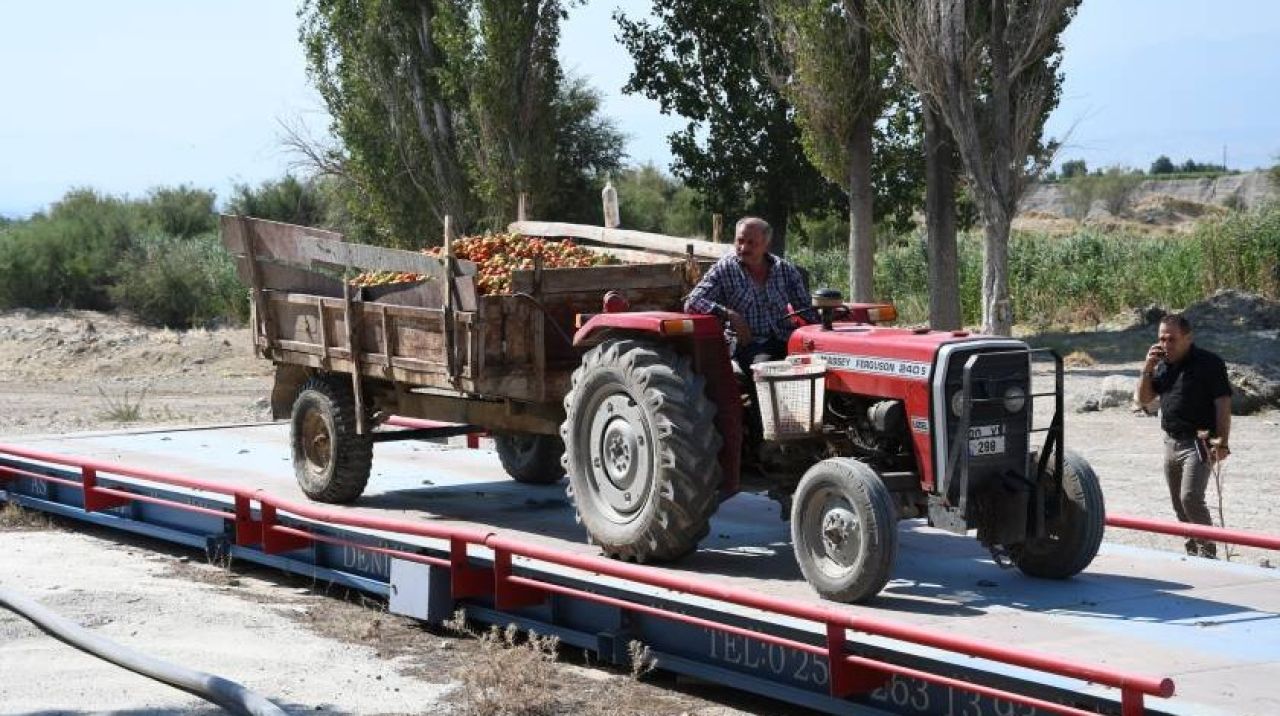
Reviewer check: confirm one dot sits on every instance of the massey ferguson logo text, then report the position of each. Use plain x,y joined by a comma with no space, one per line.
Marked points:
910,369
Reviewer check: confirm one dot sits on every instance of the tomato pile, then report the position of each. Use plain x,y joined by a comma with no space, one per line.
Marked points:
497,255
385,278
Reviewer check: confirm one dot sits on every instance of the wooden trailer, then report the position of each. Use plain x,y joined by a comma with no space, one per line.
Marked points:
435,349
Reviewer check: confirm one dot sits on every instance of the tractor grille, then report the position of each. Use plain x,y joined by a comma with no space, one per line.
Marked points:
998,437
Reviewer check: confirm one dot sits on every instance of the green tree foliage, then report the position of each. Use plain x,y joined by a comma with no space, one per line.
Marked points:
66,258
388,71
157,256
451,107
1162,165
589,147
649,200
1074,168
181,211
168,280
1191,166
288,199
703,60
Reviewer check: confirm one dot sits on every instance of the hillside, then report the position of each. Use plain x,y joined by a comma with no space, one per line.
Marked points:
1158,204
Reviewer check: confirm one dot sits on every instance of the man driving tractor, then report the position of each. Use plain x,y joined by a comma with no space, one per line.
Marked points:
752,290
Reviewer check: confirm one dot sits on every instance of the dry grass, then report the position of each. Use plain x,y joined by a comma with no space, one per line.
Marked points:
511,676
1079,359
642,661
122,408
16,518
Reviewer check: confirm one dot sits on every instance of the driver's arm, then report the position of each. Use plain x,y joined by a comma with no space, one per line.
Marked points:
709,295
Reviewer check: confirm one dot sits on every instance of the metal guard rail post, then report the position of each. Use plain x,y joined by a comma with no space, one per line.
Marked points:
849,673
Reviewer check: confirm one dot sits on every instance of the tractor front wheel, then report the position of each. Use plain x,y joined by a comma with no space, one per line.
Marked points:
641,451
1073,526
844,530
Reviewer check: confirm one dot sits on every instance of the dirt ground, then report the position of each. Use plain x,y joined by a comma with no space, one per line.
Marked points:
75,371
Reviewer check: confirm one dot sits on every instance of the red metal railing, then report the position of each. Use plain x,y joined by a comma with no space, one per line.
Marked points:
849,673
1186,529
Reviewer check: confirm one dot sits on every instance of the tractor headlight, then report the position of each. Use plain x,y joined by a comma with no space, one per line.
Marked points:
957,402
1015,398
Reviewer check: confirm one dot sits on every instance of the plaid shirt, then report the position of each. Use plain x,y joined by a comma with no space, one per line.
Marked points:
727,285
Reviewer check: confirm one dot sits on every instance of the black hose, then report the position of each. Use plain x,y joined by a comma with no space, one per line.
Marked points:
231,696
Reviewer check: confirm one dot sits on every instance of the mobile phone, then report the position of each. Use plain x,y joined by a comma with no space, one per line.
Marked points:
1202,449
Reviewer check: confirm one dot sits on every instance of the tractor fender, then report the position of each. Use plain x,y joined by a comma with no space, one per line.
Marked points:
658,324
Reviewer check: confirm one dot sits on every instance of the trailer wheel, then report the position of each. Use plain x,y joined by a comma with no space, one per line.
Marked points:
844,530
330,461
531,459
641,451
1073,529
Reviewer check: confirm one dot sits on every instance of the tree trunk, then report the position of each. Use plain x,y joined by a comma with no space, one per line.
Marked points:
862,239
997,312
940,224
997,316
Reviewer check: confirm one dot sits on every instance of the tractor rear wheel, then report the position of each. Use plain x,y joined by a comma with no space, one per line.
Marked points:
844,530
1073,527
641,451
330,461
531,459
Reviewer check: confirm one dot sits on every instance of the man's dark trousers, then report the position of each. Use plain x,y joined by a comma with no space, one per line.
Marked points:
1188,477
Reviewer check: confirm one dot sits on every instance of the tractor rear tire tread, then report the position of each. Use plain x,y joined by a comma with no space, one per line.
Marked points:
685,491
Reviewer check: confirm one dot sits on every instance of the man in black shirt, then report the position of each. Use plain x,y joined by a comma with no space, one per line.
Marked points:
1195,397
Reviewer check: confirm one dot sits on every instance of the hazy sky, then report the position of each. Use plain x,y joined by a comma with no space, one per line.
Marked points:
127,95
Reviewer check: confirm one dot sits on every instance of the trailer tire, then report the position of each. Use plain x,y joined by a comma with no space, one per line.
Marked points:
1075,533
529,458
641,451
330,461
844,530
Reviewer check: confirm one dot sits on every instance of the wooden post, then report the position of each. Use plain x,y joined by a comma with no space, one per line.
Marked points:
539,332
265,327
522,206
717,227
353,348
449,338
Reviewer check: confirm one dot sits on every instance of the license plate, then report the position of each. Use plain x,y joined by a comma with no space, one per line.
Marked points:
986,440
986,446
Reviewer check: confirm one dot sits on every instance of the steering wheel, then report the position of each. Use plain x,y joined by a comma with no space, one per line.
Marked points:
836,312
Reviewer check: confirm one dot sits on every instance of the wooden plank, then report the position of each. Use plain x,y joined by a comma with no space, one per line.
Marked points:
661,243
602,278
627,256
281,277
307,247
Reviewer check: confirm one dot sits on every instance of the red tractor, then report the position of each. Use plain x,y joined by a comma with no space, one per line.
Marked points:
864,425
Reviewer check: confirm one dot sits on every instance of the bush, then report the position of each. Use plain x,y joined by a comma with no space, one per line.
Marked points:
289,200
181,211
180,282
1116,188
1083,277
68,257
1080,193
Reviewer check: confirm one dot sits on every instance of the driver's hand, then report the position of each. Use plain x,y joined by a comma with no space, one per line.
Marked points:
740,327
